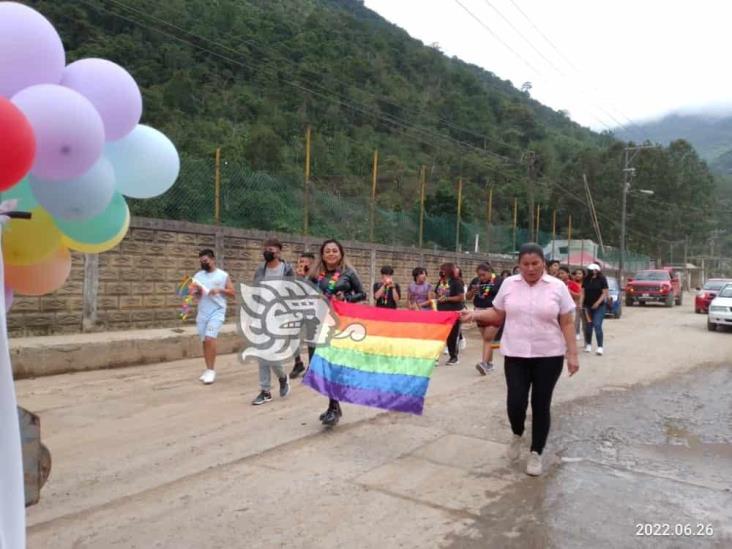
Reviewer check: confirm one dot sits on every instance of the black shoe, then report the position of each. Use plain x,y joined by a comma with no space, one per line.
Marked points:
297,370
331,417
453,361
263,397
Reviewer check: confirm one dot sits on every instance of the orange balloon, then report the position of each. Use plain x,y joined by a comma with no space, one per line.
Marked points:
40,278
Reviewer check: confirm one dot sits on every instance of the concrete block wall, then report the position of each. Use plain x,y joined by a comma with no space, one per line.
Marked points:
133,286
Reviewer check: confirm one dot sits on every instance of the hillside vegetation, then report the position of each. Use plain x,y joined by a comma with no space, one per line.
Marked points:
249,76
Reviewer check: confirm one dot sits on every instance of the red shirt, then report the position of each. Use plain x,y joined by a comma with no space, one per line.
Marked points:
574,288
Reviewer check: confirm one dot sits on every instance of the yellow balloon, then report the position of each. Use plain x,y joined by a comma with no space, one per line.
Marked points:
101,247
30,241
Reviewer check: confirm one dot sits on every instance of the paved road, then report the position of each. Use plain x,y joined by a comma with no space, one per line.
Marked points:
147,457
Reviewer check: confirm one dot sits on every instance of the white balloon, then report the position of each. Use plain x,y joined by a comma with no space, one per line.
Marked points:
77,199
146,163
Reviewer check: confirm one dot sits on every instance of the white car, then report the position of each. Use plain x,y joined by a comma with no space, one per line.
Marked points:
720,309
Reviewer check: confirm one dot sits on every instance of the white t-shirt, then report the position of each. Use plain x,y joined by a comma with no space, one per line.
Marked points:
208,304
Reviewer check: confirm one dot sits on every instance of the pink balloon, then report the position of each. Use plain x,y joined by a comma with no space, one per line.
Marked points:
112,91
8,298
69,131
31,51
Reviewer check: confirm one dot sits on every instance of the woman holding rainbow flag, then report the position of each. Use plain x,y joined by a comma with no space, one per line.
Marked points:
336,278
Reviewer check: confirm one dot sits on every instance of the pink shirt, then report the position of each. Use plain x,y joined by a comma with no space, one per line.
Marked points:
532,316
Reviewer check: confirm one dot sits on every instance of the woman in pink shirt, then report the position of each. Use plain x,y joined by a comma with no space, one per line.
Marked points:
537,336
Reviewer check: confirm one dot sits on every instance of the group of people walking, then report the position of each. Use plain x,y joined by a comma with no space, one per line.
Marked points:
537,312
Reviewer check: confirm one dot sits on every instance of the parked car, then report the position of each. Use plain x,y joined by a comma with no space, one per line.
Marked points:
720,309
615,303
657,285
708,292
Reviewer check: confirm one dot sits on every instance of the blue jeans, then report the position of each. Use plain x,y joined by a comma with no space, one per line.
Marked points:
596,318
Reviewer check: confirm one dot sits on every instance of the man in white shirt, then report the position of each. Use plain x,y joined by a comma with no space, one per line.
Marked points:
211,287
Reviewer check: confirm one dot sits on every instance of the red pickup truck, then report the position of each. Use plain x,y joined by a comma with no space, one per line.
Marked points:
658,285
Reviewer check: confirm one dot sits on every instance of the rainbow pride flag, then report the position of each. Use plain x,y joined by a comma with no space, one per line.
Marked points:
390,367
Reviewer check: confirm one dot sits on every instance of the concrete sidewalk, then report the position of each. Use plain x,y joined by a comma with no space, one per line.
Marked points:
51,355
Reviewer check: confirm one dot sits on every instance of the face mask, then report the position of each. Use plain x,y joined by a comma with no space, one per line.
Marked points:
268,256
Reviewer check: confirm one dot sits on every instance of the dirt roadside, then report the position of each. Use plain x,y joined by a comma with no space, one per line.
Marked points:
148,457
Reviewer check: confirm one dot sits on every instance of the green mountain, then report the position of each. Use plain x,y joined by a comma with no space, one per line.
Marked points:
249,76
711,135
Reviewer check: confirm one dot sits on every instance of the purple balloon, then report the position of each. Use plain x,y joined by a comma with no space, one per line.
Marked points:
112,91
31,51
69,131
8,298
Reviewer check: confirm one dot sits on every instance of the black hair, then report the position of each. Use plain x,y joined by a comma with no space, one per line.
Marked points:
531,248
485,267
552,262
207,251
272,242
308,255
505,272
418,271
564,268
387,270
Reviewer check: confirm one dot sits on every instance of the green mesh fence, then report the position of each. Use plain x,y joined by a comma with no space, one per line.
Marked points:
262,201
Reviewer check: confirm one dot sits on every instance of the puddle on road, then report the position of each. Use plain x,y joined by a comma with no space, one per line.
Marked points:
660,454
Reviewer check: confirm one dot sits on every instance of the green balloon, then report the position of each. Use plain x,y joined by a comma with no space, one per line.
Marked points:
98,229
23,193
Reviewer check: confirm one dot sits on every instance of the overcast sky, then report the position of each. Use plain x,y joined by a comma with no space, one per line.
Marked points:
615,60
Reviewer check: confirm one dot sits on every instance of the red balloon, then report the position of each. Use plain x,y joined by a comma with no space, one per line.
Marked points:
17,146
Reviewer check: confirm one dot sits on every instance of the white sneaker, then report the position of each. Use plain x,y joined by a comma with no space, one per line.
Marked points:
533,465
203,374
208,377
588,348
446,352
578,337
600,350
463,343
514,449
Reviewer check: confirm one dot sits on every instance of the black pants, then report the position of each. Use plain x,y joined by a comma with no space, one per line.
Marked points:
452,340
540,375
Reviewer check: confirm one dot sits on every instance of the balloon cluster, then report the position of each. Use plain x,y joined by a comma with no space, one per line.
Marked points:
71,149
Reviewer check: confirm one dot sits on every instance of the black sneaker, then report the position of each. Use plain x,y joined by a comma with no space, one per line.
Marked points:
297,370
453,361
263,397
331,418
284,386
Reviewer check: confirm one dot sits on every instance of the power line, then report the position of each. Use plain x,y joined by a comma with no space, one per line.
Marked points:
395,121
498,38
568,61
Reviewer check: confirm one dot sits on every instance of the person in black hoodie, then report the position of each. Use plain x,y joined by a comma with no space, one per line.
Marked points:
450,292
336,278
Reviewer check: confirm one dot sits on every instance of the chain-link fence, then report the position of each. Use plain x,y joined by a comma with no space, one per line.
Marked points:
337,207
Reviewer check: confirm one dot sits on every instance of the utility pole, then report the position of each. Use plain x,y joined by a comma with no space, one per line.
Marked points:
459,213
306,183
490,219
421,204
531,160
217,187
593,213
628,173
515,221
374,177
686,262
